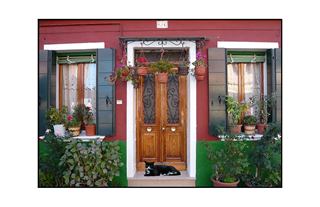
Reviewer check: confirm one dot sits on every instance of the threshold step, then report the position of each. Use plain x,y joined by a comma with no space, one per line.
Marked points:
183,180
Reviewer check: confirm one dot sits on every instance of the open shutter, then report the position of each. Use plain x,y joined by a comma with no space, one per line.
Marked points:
106,117
47,86
217,89
274,81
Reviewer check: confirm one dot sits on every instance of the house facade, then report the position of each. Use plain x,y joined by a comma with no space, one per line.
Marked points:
164,123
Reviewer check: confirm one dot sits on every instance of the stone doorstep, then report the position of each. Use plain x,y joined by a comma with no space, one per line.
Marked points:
183,180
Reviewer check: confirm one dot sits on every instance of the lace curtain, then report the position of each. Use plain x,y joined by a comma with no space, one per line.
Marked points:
252,82
70,86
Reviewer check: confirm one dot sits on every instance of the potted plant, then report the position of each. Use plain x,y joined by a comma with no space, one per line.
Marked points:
229,161
183,68
73,126
57,118
133,77
235,111
200,66
88,121
264,159
249,123
162,70
141,65
265,106
93,165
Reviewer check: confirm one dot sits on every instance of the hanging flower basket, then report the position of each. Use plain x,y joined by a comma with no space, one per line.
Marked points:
200,70
142,71
162,77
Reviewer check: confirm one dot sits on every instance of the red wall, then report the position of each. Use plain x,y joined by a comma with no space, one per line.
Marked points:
81,31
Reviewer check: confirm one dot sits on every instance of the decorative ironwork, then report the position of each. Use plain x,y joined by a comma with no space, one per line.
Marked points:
173,99
149,98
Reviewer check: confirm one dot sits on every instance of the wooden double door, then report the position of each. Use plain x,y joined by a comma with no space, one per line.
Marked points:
161,121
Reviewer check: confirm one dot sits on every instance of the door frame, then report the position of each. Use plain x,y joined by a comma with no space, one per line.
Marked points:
191,108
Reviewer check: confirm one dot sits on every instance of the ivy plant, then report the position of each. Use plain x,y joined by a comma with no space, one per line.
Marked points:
91,165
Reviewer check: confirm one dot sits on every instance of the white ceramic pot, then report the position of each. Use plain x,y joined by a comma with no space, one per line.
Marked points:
60,128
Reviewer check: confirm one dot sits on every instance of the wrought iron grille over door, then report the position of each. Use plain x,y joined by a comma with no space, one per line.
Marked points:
149,98
173,99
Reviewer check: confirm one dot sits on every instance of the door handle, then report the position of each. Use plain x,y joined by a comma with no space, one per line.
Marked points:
108,100
163,128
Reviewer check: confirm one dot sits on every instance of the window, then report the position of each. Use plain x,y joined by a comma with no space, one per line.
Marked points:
77,84
245,76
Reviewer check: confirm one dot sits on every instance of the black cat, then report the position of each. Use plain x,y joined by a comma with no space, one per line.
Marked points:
156,170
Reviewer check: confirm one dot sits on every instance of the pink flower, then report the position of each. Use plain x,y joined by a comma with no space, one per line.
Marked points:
69,118
57,132
48,130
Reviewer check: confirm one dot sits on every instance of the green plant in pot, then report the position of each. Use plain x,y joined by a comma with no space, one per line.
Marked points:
73,126
57,118
265,106
183,68
92,165
235,111
263,157
249,123
229,161
88,121
162,70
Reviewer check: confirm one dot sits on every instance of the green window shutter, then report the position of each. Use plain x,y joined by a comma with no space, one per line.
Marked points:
274,81
106,119
217,88
47,86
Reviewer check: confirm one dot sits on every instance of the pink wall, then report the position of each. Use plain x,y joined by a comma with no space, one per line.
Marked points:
81,31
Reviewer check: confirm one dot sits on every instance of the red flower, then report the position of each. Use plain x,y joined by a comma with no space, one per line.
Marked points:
69,118
88,108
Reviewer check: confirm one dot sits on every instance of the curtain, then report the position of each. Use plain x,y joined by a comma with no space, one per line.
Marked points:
252,78
233,81
90,87
70,86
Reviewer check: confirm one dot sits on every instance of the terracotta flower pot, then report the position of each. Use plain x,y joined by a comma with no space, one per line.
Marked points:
237,128
199,70
125,73
142,71
124,78
183,70
74,130
260,128
90,130
162,77
249,129
222,184
199,77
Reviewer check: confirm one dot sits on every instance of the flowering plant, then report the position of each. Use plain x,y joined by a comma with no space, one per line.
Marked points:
72,122
235,109
200,60
142,62
88,116
57,116
249,120
132,76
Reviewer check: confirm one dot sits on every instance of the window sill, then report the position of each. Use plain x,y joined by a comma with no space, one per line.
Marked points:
82,136
256,137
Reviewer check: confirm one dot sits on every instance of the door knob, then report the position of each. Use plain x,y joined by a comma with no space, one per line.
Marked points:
163,128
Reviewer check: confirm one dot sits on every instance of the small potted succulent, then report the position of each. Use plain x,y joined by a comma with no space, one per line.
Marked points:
249,123
162,70
228,162
88,121
265,107
141,65
58,118
200,66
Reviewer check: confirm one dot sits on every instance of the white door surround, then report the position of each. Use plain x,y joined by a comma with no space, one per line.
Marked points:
192,106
